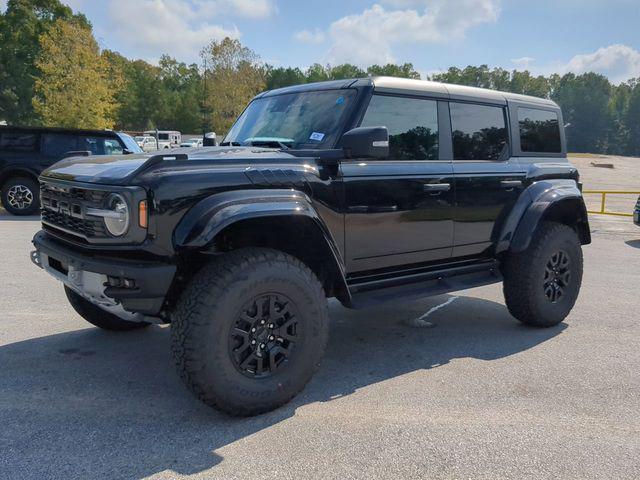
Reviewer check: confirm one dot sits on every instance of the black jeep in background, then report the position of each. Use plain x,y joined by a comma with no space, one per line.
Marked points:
26,151
366,190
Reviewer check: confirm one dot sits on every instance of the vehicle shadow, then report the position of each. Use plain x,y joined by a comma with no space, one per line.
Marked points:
633,243
94,404
7,217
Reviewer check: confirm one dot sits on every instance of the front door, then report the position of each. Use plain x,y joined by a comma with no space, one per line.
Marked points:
488,181
399,211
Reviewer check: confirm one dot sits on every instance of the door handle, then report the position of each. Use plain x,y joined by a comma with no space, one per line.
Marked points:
510,184
436,187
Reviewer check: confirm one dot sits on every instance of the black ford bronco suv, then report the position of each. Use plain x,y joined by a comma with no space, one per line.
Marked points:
366,190
26,151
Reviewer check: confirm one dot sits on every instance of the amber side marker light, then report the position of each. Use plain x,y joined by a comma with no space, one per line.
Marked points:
143,214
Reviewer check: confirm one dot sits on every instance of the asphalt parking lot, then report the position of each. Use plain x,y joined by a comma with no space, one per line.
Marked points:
477,396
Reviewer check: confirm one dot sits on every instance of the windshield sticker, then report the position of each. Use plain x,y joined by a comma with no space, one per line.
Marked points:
340,101
316,136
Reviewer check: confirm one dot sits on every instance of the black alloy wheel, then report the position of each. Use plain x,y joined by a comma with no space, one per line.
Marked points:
557,275
264,335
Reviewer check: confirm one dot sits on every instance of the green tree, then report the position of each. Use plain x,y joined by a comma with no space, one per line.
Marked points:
141,101
21,26
317,73
585,105
346,70
632,119
405,70
233,76
181,88
283,77
73,89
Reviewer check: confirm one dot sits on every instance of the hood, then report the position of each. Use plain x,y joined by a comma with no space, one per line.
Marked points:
122,170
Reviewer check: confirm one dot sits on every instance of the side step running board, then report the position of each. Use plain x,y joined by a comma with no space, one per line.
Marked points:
424,284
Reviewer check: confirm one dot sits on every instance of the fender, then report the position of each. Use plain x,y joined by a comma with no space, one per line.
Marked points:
19,171
209,217
534,203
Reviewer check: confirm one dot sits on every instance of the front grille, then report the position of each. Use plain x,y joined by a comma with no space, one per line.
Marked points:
63,210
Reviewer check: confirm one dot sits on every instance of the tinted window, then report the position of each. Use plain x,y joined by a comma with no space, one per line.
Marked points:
18,142
297,120
412,125
479,132
539,130
100,145
56,145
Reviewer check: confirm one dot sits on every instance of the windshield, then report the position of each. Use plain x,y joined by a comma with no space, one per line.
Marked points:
129,144
293,120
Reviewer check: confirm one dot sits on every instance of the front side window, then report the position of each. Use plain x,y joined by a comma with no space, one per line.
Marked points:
18,142
412,125
479,132
91,144
294,120
56,145
539,130
112,147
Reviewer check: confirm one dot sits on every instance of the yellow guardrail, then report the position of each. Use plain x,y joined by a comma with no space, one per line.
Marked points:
603,200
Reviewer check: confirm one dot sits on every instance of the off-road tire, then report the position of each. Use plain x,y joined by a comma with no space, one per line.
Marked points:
207,311
21,183
524,276
98,317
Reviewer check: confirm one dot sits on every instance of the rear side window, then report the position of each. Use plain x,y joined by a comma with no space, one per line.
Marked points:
18,142
479,132
539,130
56,145
412,125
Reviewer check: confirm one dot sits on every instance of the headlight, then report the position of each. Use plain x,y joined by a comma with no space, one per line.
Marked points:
116,216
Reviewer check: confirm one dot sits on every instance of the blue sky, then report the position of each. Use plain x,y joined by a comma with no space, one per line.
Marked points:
542,35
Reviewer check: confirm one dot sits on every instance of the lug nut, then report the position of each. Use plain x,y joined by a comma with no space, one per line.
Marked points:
253,342
271,326
262,345
262,322
253,330
271,338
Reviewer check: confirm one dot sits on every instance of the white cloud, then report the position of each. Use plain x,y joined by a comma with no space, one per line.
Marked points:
618,62
240,8
369,37
307,36
3,5
176,27
523,63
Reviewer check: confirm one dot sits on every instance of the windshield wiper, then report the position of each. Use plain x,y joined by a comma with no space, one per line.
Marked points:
230,144
270,142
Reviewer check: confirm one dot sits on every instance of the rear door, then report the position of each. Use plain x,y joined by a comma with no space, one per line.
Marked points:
19,148
399,211
488,180
54,146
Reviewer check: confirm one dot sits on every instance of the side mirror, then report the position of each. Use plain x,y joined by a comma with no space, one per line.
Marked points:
366,142
209,139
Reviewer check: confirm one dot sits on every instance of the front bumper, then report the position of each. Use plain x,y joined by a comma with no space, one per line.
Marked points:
131,289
